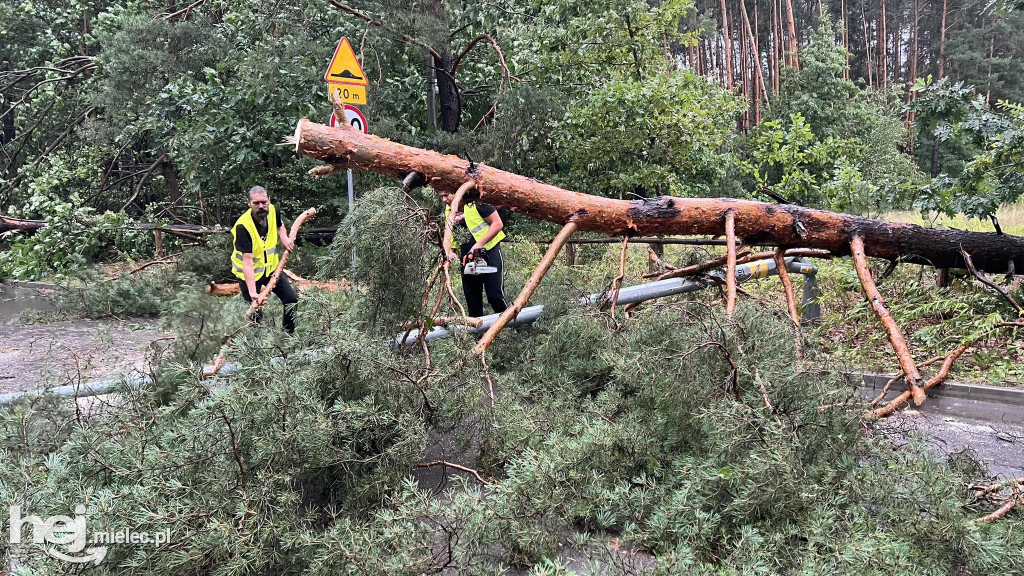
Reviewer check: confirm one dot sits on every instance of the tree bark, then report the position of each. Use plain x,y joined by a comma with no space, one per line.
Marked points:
912,76
757,223
896,338
524,295
447,93
846,38
19,225
942,41
759,87
170,175
728,46
883,52
431,100
773,62
730,262
869,65
744,80
988,83
794,57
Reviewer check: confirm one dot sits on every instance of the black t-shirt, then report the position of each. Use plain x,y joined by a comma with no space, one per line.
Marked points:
243,241
462,233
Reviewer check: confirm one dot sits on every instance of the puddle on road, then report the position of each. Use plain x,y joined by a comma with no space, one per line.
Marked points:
69,351
16,298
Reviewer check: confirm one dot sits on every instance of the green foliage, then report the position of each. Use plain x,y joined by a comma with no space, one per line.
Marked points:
643,138
987,149
590,43
935,320
983,52
792,162
855,161
388,233
74,236
153,292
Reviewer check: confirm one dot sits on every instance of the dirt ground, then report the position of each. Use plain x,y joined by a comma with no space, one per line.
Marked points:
66,352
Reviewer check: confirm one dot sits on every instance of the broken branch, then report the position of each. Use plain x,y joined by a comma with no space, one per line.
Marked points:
974,272
617,283
899,343
730,262
446,244
780,265
524,295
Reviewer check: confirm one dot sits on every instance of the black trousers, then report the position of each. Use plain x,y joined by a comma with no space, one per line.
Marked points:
285,293
494,284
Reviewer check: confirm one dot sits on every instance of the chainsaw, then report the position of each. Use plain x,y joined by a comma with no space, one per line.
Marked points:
475,265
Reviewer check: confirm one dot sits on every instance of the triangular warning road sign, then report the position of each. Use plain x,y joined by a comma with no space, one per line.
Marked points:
345,68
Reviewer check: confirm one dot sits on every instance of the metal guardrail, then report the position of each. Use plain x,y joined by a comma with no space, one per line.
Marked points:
651,291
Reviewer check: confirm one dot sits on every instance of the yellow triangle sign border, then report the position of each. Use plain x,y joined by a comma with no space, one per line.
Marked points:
343,52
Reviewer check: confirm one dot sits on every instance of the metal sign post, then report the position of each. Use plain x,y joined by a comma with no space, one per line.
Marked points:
355,119
345,76
351,206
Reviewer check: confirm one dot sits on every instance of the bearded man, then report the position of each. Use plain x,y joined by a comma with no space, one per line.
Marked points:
257,235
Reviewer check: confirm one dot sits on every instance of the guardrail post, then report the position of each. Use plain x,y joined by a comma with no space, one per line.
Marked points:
811,308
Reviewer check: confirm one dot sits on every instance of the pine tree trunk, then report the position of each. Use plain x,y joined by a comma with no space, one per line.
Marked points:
911,95
883,52
756,63
761,91
447,93
756,222
719,59
773,62
897,55
869,64
744,75
991,55
794,55
846,38
942,42
728,47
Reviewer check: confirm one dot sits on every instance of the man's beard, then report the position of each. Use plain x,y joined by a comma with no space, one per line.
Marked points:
260,214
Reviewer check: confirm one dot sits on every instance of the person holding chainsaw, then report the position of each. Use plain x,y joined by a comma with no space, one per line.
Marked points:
478,235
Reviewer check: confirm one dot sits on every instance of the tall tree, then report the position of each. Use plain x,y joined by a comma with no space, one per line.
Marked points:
728,46
794,58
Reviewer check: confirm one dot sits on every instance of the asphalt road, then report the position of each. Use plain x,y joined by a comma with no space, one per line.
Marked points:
987,420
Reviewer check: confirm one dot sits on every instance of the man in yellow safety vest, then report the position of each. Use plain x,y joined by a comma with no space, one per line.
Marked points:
480,237
257,235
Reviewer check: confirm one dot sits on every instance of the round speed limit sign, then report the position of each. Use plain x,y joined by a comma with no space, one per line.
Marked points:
354,118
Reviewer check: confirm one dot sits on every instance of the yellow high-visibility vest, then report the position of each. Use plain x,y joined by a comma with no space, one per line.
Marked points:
478,227
264,252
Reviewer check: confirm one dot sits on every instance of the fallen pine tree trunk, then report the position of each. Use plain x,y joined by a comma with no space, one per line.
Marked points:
19,225
756,223
752,223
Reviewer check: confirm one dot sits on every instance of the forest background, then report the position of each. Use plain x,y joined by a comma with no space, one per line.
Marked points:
121,112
